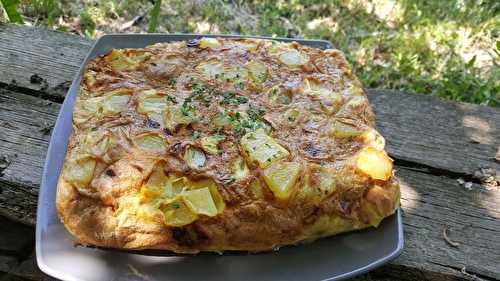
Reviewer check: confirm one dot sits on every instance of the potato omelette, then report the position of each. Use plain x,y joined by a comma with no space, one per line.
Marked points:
222,144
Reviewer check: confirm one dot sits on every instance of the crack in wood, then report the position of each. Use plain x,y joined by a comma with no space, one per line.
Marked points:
31,92
468,275
426,169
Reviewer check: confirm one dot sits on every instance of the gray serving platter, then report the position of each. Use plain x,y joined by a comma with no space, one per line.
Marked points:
333,258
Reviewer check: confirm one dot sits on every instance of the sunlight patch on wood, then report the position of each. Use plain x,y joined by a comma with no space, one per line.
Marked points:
478,129
409,196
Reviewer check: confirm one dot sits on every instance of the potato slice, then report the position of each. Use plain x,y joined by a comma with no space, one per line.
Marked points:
293,57
258,72
117,59
176,213
357,101
318,183
156,182
212,186
342,130
85,109
97,143
151,143
153,105
194,157
125,60
373,138
374,163
149,101
175,185
160,186
240,168
260,147
211,69
173,116
329,100
211,43
281,178
79,171
210,143
200,201
234,73
248,45
115,103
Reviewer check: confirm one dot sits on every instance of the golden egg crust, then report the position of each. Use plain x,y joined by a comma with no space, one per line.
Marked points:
222,144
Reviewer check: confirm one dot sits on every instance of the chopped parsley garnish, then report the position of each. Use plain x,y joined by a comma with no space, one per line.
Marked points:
253,115
241,100
219,131
186,108
261,77
322,163
239,86
175,205
291,118
221,75
196,135
241,122
171,99
273,92
232,99
172,82
199,92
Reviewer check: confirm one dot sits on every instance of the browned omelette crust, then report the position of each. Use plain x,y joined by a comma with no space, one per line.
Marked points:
254,218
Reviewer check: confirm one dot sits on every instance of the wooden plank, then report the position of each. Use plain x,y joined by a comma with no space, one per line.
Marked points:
430,202
456,137
53,56
16,239
430,205
24,123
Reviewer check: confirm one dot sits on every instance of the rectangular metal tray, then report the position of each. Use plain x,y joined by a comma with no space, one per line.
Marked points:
333,258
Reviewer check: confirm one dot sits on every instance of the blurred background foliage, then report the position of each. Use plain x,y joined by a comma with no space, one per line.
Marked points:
447,48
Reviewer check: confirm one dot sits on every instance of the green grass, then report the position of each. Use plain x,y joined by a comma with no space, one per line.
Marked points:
444,48
10,9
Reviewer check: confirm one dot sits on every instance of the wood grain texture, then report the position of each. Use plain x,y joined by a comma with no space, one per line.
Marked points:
54,56
16,239
24,123
456,137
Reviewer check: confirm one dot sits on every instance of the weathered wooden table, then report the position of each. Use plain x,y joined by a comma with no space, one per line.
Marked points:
447,156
